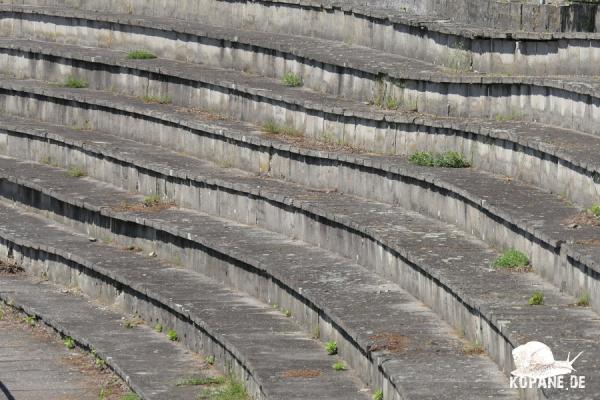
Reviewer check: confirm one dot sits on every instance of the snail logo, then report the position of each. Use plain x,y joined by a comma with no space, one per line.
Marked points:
537,368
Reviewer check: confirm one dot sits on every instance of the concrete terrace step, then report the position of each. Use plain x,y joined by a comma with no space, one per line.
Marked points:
558,159
244,335
495,314
347,70
431,38
351,304
502,211
138,356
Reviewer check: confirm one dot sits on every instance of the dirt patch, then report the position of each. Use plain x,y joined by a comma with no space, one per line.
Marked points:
10,268
301,373
472,349
389,341
206,115
141,207
589,242
583,218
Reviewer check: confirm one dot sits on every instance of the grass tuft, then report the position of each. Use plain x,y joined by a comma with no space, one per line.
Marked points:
331,347
130,396
75,83
339,366
69,342
583,300
595,210
172,335
152,200
449,159
230,390
158,328
512,259
204,380
536,299
291,79
140,55
377,395
275,129
75,172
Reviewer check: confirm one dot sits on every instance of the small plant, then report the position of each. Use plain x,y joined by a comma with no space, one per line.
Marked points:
210,360
29,320
511,259
158,328
157,99
75,172
291,79
273,128
286,313
595,210
391,103
152,200
449,159
132,323
206,380
583,300
229,390
377,395
75,83
339,366
536,299
172,335
331,347
510,116
140,55
69,343
130,396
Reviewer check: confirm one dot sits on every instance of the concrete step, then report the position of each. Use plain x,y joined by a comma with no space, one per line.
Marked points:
149,363
334,67
561,160
503,212
379,328
248,338
455,279
430,38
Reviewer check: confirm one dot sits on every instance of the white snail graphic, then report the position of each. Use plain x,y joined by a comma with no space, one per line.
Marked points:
535,360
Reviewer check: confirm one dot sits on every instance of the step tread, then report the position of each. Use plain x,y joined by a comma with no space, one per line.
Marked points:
352,295
269,343
578,148
139,355
532,209
511,290
361,58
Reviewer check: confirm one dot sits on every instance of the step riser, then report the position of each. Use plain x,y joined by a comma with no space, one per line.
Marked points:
506,157
443,48
59,268
555,266
556,106
196,256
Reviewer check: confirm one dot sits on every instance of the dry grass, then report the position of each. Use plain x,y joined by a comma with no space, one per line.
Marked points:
301,373
10,268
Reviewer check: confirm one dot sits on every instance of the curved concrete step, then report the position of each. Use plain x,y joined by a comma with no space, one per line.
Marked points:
454,279
248,338
502,211
138,356
560,160
432,39
378,327
333,67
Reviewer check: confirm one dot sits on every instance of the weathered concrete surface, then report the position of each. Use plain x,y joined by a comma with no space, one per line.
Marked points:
433,39
139,355
35,365
503,212
346,70
559,160
490,311
337,298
